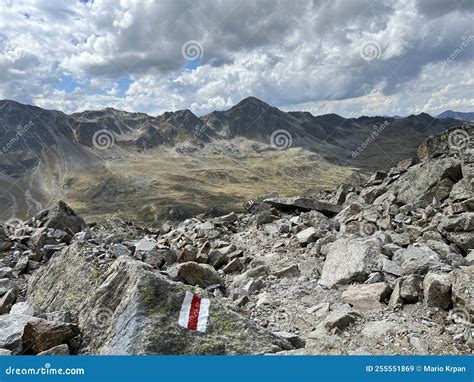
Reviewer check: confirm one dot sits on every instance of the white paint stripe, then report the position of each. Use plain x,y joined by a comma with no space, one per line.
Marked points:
185,309
203,315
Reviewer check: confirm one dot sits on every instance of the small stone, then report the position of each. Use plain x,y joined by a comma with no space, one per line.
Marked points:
187,254
41,335
421,347
21,265
349,260
6,272
410,290
290,271
295,340
306,236
56,350
217,259
319,310
254,286
60,316
391,267
236,265
339,319
202,275
367,297
118,250
7,301
22,308
146,244
242,301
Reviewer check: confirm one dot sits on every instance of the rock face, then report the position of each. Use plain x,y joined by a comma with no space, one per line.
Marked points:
428,180
133,310
349,260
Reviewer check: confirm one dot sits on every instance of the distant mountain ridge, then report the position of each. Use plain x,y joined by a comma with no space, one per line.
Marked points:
465,116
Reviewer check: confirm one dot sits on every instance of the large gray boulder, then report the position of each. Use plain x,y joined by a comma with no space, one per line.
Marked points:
417,260
425,181
63,217
349,260
437,290
131,309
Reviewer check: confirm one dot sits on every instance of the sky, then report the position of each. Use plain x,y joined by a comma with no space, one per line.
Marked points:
350,57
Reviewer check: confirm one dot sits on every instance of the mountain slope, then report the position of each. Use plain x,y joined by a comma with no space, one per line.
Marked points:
457,115
179,164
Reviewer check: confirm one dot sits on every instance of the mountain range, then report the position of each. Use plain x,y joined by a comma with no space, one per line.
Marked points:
177,163
457,115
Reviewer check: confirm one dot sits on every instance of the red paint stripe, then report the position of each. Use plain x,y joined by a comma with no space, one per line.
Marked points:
194,312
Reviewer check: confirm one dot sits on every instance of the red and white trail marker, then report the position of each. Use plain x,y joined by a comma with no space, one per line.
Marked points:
194,312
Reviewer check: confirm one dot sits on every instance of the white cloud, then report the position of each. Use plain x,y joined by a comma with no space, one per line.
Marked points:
295,55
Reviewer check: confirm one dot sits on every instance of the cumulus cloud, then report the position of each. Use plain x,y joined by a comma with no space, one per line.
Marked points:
350,57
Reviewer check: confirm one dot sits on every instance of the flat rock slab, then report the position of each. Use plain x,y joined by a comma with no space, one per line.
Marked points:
304,204
367,297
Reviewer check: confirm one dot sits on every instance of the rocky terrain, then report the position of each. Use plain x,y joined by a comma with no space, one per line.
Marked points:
177,164
382,265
